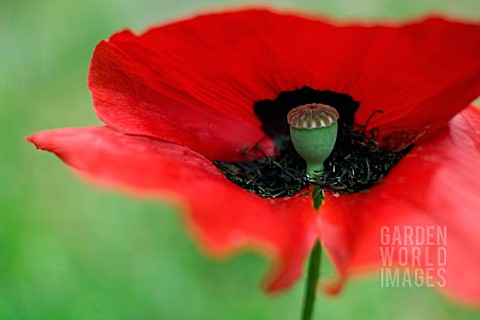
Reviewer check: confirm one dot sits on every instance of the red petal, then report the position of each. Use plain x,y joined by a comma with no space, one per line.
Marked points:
436,184
224,216
195,82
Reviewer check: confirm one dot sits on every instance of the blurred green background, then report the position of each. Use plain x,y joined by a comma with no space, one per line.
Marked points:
70,251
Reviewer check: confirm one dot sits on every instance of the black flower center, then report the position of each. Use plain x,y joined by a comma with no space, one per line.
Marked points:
355,164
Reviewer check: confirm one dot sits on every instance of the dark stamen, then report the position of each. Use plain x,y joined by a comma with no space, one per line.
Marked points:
269,177
355,164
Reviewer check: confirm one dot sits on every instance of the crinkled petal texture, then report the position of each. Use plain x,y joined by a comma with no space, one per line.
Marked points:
195,82
223,216
437,185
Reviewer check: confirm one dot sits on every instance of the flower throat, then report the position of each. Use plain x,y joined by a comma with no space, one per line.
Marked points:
355,164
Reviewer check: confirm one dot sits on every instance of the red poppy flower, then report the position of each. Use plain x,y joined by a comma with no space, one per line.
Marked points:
181,96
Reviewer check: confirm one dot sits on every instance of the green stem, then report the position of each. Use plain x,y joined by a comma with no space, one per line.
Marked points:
313,264
312,281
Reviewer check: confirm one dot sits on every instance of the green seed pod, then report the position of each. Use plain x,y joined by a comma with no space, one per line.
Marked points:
313,130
